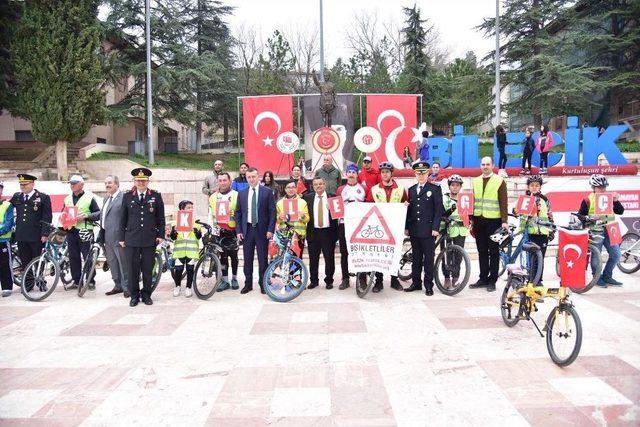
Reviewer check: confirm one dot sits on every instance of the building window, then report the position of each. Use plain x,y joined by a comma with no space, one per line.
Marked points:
24,135
101,141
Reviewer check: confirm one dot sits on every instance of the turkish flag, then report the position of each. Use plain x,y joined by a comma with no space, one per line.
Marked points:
465,203
336,207
604,204
526,205
184,224
613,230
386,113
68,217
291,208
264,118
223,214
572,257
300,187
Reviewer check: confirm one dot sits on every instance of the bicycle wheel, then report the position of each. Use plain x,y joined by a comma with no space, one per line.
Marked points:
156,272
40,278
532,262
404,273
364,283
630,258
65,272
564,334
285,280
88,271
16,269
510,306
207,276
593,272
454,260
503,263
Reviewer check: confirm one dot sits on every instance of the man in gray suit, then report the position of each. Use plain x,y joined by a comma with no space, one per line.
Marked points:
111,221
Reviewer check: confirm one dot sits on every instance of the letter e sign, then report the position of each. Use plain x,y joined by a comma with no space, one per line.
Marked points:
526,205
336,207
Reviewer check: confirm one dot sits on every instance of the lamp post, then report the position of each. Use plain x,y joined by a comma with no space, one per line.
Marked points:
147,15
497,63
321,46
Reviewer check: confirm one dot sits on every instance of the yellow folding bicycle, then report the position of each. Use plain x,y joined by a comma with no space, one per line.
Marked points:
563,326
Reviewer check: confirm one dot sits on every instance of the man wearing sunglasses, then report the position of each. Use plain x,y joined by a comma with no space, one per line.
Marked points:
368,176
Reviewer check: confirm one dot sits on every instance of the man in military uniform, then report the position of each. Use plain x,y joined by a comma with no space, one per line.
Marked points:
31,207
79,237
423,222
143,227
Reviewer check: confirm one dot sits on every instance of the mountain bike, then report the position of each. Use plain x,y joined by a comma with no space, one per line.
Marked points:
208,271
630,253
594,256
520,299
527,259
286,275
370,230
41,275
17,265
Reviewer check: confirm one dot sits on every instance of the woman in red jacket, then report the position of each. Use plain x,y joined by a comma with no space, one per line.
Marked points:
543,145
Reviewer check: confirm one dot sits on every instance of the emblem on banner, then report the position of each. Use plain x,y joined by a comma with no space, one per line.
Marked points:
325,140
367,139
287,142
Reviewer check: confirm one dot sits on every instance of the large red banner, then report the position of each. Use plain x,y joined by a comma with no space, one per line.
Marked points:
264,118
395,117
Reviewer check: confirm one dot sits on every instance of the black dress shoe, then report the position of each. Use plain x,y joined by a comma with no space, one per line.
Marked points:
344,284
313,285
329,286
395,284
126,294
114,291
491,287
262,291
246,289
376,288
428,292
147,301
133,302
413,287
478,284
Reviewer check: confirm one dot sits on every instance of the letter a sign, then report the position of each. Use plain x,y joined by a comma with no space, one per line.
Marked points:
291,208
185,221
336,207
526,205
223,214
604,204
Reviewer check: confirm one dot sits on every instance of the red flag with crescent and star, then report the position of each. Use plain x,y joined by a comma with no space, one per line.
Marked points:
572,257
395,117
264,118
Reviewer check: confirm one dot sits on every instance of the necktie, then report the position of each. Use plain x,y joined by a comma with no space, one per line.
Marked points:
26,197
254,207
320,213
140,197
419,189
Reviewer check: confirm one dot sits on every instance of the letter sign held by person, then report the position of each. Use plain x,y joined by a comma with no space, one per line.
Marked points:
613,230
291,209
604,204
465,203
68,217
185,221
336,207
526,205
223,214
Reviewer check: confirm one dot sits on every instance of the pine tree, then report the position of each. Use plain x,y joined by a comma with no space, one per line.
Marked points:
58,73
10,12
275,65
416,62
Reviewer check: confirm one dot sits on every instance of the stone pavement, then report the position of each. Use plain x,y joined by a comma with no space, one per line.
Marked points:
327,358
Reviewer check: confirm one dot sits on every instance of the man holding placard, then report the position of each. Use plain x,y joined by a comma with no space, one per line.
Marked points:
223,209
603,206
352,191
293,209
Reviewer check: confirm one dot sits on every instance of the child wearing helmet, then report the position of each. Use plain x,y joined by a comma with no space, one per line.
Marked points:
538,234
599,184
186,249
457,232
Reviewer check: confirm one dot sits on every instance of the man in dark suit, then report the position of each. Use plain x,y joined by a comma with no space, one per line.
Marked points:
31,207
142,229
255,221
111,222
322,234
423,222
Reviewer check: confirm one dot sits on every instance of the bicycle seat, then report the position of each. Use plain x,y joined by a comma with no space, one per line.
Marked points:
530,246
516,269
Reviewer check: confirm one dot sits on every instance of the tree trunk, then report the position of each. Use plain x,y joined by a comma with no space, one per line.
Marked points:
198,137
61,160
225,128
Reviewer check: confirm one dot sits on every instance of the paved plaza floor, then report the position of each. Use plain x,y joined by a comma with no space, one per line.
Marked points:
327,358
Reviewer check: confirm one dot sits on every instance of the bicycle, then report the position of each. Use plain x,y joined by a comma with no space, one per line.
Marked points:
286,275
527,259
593,253
371,230
41,275
208,271
629,261
16,265
451,258
563,326
87,275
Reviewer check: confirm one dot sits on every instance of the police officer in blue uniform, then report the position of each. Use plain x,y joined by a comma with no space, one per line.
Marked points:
423,222
31,207
143,226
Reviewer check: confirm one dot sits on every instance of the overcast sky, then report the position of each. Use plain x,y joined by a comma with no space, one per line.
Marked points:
454,20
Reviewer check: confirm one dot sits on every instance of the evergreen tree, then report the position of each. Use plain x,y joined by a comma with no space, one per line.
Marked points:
275,65
58,73
10,12
416,62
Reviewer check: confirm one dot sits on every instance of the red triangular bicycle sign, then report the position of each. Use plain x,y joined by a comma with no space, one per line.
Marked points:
359,237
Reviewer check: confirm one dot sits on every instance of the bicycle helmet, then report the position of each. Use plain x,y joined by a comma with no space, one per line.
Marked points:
598,180
500,236
454,178
535,178
386,165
